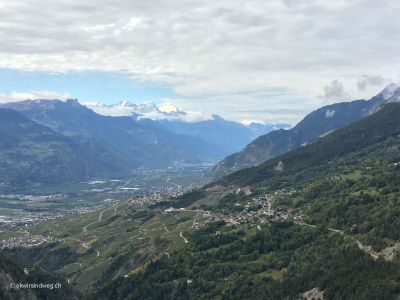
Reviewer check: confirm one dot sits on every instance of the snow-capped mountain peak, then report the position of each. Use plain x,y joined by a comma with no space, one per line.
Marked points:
390,90
148,110
137,108
122,108
145,108
390,94
125,103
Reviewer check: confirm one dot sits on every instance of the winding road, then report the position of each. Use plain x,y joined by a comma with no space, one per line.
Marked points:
361,246
100,217
181,235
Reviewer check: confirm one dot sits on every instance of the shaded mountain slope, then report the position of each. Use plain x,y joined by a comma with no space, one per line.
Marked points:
228,136
321,154
315,125
31,152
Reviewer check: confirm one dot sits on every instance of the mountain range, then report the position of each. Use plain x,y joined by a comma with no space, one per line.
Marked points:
140,145
53,141
317,124
227,136
65,140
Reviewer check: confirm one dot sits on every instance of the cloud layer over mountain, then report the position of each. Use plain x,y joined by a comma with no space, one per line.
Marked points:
32,95
166,111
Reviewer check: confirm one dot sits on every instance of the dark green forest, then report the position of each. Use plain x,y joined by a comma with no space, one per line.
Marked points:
278,262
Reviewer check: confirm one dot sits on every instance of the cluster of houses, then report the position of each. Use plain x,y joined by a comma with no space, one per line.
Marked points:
27,241
31,218
52,197
259,210
158,195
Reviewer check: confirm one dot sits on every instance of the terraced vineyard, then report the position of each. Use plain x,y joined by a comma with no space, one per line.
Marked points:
114,241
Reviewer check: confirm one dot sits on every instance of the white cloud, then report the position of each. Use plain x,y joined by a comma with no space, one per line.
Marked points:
334,91
108,110
168,107
33,95
190,116
369,80
210,50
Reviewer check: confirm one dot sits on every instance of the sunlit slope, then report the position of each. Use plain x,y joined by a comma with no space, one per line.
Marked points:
109,243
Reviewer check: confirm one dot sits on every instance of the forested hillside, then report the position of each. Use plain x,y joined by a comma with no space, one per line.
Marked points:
345,245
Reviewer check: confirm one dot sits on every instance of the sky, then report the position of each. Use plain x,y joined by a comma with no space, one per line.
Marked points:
269,61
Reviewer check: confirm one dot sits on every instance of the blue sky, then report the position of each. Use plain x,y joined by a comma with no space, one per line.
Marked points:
107,87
